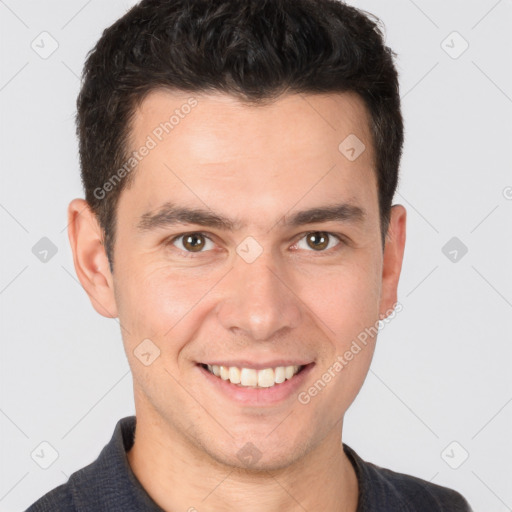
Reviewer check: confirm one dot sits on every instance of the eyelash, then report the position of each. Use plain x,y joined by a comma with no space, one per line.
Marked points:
188,254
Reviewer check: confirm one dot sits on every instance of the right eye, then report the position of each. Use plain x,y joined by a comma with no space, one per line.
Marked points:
193,242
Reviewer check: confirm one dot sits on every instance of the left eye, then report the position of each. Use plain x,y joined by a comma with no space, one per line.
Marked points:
319,241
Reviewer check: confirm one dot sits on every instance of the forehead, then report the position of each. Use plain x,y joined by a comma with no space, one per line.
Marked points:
206,121
213,150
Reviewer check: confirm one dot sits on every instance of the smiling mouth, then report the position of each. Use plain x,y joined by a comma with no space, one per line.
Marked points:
252,378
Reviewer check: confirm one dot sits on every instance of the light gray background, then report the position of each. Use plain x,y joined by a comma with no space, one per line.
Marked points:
441,371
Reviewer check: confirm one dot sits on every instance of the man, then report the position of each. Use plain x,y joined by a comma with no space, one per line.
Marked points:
239,160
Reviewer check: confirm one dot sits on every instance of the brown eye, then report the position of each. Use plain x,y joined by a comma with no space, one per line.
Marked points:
318,240
192,242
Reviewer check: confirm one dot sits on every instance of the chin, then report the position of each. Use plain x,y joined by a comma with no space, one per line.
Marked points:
257,453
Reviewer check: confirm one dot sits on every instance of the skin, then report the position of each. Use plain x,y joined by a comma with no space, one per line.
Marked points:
257,164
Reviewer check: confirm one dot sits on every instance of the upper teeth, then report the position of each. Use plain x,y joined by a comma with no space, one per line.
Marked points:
256,378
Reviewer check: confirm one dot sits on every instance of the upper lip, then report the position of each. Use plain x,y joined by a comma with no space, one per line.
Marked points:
259,365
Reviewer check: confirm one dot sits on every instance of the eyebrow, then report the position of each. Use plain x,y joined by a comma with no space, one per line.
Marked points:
169,215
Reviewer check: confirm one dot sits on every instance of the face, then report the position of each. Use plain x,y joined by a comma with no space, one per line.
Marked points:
249,239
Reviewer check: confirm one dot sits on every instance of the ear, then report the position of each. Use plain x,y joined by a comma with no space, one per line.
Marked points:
90,259
392,261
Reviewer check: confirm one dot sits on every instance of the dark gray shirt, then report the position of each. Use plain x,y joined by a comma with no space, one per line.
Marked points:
109,485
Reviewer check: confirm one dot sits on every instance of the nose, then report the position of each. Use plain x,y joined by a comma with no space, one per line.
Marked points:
258,300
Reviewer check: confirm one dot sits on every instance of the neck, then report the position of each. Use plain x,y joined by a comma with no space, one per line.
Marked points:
178,475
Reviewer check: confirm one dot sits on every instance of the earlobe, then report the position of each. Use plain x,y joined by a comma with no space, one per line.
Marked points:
89,257
392,261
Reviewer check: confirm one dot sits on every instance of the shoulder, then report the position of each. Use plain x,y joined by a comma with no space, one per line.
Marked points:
103,485
83,488
421,495
57,499
388,490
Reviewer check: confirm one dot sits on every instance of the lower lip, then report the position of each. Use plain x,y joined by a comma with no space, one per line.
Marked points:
258,396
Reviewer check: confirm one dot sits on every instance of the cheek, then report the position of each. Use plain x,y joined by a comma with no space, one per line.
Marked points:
350,310
346,299
153,304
